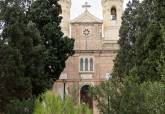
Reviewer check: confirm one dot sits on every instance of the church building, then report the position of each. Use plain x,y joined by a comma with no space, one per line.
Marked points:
96,45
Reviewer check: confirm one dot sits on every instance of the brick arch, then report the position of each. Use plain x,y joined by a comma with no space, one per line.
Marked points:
85,97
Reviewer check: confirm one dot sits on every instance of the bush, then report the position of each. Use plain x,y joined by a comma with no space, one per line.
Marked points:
108,96
154,97
131,97
48,103
145,98
20,107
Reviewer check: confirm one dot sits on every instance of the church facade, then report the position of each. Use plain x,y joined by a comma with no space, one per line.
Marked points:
95,49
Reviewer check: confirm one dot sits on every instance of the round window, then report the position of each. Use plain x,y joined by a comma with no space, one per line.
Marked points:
86,32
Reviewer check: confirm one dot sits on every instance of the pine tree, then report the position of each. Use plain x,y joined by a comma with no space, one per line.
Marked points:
45,14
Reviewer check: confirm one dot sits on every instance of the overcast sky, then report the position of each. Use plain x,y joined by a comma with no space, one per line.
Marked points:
96,9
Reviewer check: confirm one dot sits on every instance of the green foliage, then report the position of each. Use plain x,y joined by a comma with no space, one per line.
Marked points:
49,103
74,92
20,107
146,98
149,47
17,46
29,48
142,41
45,14
140,63
125,57
108,96
150,44
132,98
154,97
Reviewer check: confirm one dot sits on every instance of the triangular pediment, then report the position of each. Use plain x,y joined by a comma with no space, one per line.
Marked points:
86,17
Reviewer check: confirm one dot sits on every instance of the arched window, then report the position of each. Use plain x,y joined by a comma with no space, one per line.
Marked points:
81,64
113,13
86,64
91,64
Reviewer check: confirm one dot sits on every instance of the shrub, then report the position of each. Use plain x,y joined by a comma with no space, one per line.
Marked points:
20,107
49,103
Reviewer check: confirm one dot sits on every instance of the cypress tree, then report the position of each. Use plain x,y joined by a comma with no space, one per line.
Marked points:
33,48
150,43
45,14
125,57
21,60
140,63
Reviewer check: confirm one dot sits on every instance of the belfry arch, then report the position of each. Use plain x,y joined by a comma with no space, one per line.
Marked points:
113,13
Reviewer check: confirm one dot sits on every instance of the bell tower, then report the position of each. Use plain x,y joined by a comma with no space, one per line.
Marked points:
112,12
65,23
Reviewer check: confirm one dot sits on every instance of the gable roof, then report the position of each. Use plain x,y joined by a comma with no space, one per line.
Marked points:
86,17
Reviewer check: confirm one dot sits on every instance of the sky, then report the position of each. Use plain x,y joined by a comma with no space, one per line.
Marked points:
96,9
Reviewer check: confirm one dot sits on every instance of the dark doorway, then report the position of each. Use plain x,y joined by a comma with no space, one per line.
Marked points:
85,97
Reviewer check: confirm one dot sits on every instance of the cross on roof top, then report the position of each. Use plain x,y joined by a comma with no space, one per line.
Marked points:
86,5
